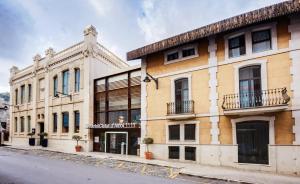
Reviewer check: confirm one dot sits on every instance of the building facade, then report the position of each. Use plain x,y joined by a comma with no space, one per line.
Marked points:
4,120
117,111
227,93
55,94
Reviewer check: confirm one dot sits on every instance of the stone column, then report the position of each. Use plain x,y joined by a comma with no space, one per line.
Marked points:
13,71
143,106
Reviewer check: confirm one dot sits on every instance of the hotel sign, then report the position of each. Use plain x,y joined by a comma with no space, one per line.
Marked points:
114,125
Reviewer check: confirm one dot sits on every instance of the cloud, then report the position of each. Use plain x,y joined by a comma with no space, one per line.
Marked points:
162,19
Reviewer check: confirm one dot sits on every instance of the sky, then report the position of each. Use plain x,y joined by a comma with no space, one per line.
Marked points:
29,27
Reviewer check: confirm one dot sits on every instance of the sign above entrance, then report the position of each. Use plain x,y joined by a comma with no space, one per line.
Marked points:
114,125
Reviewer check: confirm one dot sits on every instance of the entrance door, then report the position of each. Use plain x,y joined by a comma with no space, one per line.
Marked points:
253,141
41,131
116,142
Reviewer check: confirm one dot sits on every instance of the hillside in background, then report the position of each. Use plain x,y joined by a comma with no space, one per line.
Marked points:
5,96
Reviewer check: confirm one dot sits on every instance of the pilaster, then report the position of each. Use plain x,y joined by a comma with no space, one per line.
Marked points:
143,106
294,29
213,94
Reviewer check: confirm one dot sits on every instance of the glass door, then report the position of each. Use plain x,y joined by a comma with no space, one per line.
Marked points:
116,142
250,87
181,95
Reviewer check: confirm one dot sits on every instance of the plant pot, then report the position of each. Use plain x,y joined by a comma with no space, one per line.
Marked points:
32,141
44,142
148,155
78,148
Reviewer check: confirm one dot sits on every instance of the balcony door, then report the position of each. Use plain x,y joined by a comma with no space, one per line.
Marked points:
181,95
250,86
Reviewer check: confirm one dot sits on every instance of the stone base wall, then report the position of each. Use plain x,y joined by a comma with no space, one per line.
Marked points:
283,159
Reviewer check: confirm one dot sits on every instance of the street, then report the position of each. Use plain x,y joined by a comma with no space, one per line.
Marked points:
18,168
36,167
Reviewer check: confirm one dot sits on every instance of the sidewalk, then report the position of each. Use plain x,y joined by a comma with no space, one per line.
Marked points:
224,173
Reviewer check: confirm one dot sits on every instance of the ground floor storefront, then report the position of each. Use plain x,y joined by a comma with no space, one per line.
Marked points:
116,140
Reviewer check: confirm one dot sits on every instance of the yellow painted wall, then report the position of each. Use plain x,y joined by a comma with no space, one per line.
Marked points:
278,68
284,128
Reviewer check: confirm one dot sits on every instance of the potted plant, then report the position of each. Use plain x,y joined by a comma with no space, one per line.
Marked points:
31,139
77,138
147,141
44,140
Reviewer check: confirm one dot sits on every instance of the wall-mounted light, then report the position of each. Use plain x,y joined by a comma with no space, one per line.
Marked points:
57,93
149,77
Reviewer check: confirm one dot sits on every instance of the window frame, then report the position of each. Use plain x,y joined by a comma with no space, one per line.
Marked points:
64,129
22,94
65,87
54,122
77,112
179,51
169,152
270,39
55,86
248,41
28,124
22,124
77,75
185,133
229,48
29,95
170,134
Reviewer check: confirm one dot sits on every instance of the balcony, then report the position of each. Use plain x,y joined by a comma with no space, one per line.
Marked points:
180,110
256,102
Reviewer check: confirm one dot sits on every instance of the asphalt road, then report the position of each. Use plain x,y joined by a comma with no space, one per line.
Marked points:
16,168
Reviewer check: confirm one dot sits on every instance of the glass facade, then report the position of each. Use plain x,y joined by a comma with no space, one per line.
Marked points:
118,98
65,82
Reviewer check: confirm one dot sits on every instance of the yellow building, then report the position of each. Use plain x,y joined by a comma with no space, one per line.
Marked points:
227,93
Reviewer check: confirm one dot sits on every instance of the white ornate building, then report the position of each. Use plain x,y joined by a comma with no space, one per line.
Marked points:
55,94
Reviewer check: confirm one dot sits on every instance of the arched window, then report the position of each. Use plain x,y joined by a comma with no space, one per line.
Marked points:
77,79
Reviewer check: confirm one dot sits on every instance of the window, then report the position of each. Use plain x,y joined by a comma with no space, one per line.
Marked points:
174,132
55,83
188,52
54,122
77,121
237,46
65,120
190,153
29,93
172,56
65,83
77,79
189,131
16,124
261,41
173,152
42,89
16,97
22,94
28,123
22,124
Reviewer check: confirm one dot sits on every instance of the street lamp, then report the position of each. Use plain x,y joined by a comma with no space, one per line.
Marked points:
57,93
149,77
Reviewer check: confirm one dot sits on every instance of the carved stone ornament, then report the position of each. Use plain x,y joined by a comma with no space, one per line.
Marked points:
90,30
50,52
37,57
86,53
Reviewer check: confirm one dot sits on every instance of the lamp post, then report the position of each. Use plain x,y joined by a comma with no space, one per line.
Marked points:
149,77
57,93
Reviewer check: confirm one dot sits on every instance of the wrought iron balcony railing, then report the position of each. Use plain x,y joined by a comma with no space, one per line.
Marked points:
263,98
181,107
